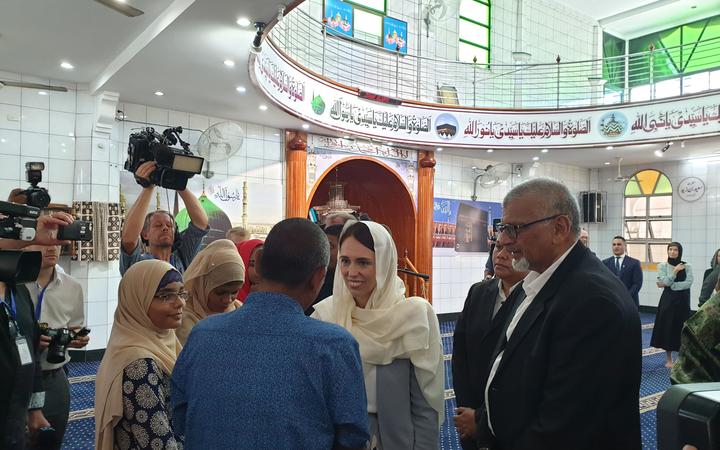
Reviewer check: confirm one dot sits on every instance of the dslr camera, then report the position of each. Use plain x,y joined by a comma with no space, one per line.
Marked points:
174,166
61,337
36,196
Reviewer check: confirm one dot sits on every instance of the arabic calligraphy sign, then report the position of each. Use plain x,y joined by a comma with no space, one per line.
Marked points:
691,189
333,106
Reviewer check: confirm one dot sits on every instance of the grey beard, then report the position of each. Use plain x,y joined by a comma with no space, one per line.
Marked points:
521,265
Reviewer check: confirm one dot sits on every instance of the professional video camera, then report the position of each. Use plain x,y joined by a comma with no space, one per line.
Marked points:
36,196
174,165
61,337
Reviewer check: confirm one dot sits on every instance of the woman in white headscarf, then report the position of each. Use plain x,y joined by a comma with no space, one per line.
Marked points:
212,280
132,405
399,340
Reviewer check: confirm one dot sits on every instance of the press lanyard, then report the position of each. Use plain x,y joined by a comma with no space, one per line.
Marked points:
40,297
12,305
11,311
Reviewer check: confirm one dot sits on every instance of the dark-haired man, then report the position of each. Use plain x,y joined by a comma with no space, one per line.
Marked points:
333,234
626,268
305,386
157,229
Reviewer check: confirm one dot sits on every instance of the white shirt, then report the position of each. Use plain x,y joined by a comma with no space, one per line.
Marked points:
534,282
619,261
501,297
62,307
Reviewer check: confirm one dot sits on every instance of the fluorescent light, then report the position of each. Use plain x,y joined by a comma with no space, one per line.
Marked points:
544,150
490,150
229,63
241,89
66,65
159,93
346,137
607,163
243,22
659,153
388,143
609,147
262,108
305,126
536,158
42,93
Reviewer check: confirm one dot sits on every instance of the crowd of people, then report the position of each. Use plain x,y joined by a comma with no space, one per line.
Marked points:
307,339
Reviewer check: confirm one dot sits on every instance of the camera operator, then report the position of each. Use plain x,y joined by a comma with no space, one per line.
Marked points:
58,302
21,390
158,229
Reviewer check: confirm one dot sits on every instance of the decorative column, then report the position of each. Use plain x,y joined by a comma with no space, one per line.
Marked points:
426,194
296,175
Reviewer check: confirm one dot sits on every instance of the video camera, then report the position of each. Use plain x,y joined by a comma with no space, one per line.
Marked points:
174,165
61,337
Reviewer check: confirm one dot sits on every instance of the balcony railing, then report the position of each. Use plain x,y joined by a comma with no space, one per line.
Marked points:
627,78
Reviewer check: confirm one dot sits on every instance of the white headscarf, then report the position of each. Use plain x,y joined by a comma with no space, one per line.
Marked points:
391,326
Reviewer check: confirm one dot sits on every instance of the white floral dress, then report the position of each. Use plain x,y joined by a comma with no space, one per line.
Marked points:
146,421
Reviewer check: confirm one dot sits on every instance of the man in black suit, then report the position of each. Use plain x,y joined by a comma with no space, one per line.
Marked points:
626,268
487,307
566,374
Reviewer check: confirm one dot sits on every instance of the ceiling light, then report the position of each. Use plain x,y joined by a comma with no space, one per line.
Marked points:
42,93
544,150
305,126
682,144
262,108
243,22
609,147
490,150
159,93
241,89
536,158
346,137
439,149
276,134
229,63
66,65
659,153
3,140
607,163
388,143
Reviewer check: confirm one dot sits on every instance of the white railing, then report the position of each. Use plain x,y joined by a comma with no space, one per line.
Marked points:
358,64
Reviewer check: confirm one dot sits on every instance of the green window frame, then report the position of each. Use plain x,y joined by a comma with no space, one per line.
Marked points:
370,5
474,31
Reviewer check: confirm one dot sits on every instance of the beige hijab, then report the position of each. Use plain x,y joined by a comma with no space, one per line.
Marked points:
391,326
215,265
133,337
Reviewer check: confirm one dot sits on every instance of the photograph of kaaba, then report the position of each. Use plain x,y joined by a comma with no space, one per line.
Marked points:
471,232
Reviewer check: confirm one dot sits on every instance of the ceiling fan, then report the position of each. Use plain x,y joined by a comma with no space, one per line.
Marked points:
620,177
121,7
38,86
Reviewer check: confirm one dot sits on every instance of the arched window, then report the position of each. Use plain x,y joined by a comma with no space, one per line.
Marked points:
648,215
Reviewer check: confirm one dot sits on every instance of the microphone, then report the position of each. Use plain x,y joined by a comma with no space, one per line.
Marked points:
415,274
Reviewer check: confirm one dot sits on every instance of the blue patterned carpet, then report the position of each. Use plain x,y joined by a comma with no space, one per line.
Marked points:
655,380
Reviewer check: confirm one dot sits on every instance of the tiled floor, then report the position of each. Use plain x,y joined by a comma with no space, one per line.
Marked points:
655,380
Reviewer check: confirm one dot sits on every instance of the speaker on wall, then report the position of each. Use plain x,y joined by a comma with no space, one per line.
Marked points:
593,206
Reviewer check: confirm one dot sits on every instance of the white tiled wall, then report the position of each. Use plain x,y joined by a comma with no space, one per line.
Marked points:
453,275
57,129
695,225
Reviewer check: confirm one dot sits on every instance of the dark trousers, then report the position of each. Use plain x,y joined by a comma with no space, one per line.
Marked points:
57,402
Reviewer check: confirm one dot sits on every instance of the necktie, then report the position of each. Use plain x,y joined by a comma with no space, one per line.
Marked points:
617,265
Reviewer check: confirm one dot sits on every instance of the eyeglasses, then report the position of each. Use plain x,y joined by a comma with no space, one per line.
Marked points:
169,297
512,231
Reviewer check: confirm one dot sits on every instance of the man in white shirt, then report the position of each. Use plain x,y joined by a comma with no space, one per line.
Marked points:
566,373
58,302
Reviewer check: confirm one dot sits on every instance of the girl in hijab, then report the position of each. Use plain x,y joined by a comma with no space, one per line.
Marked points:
250,252
399,340
132,405
710,278
674,277
212,281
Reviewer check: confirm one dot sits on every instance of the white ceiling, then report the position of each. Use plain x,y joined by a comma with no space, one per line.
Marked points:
180,49
643,16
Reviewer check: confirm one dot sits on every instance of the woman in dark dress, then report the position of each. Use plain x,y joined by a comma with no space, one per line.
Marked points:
674,278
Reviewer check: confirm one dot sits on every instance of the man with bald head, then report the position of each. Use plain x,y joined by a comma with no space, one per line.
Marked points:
566,372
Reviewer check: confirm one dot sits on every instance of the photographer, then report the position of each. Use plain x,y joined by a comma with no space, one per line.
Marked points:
21,390
58,302
158,229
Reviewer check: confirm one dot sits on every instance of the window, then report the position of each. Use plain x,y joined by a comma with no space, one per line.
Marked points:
368,26
648,215
376,5
474,31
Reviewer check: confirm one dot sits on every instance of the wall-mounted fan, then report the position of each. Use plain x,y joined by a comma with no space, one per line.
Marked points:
436,11
122,7
490,176
219,142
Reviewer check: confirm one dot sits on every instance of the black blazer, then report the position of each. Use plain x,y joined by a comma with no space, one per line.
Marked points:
475,337
569,377
630,275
